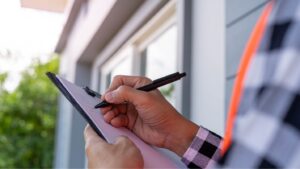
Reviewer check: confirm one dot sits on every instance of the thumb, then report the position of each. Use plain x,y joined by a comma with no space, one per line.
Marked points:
126,94
91,137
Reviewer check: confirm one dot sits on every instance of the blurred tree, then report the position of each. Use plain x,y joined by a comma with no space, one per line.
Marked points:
3,77
27,119
167,90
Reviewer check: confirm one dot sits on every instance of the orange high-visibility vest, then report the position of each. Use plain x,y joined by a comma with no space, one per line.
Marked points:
249,52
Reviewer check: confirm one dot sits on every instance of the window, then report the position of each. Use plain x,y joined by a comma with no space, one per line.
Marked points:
160,59
120,64
157,45
151,52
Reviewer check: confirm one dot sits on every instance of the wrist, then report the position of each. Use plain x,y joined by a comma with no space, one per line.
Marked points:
182,137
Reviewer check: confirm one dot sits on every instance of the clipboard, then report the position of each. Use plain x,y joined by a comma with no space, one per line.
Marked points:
84,103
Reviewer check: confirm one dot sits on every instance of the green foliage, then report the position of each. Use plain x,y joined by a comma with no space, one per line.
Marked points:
3,77
167,90
27,119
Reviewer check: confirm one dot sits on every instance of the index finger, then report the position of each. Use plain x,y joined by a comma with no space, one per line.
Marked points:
132,81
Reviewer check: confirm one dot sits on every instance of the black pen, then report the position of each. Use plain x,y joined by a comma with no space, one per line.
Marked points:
155,84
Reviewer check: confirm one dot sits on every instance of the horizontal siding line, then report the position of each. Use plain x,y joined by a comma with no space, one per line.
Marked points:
246,14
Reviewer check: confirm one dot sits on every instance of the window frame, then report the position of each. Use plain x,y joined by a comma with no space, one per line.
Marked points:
165,18
108,66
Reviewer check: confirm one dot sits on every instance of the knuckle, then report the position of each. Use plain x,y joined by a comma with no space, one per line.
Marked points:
142,81
94,149
89,150
122,140
116,80
117,77
146,80
133,150
85,131
122,89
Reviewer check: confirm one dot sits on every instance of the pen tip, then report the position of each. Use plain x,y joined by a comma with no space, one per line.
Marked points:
102,104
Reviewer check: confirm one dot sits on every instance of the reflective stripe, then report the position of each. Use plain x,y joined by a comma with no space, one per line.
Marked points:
249,52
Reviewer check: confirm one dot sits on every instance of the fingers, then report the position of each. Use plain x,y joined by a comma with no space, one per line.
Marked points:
132,81
110,115
116,116
123,140
120,121
91,137
119,90
105,109
121,108
125,94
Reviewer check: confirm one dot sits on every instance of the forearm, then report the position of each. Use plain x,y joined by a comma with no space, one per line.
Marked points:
197,146
183,135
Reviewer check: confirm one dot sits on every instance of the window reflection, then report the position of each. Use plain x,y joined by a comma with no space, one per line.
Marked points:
121,68
160,59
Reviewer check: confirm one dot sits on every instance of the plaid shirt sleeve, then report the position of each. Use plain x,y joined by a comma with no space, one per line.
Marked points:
204,150
267,128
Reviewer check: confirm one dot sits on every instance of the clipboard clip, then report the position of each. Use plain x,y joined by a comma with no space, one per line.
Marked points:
91,92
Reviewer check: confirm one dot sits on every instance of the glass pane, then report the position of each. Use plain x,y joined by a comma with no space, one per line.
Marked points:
161,59
122,68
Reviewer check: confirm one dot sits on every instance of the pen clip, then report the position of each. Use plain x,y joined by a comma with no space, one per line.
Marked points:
91,92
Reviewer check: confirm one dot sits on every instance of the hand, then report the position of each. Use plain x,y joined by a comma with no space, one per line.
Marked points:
122,154
148,114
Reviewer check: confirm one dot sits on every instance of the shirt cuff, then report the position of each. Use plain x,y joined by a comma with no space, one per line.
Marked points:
204,151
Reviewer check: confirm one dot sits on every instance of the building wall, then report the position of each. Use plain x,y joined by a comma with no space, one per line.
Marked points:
241,17
208,64
211,33
69,144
